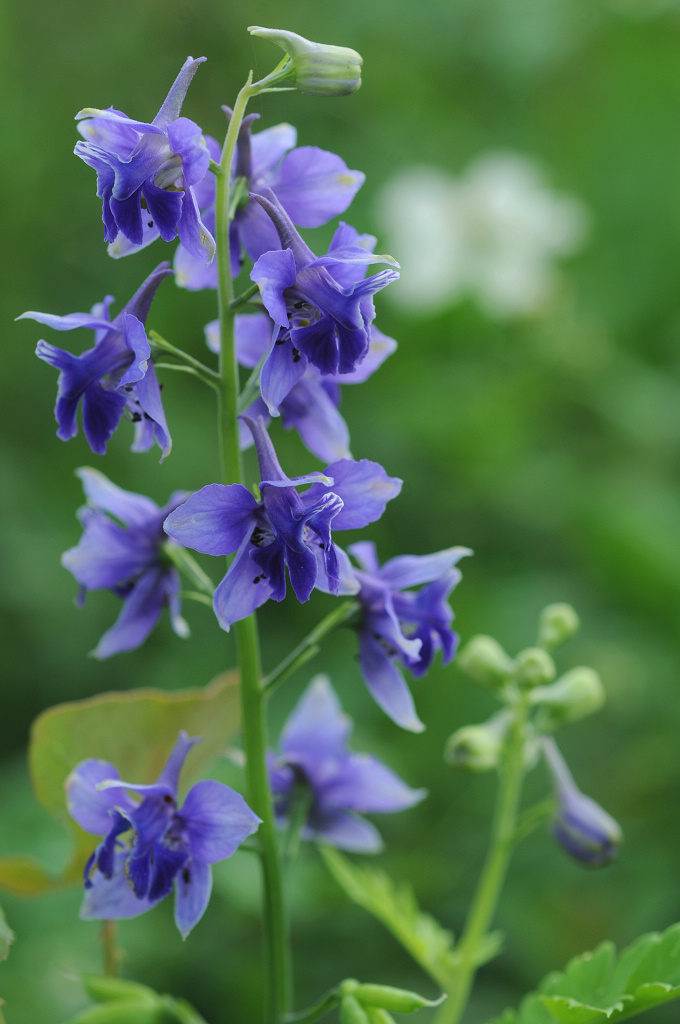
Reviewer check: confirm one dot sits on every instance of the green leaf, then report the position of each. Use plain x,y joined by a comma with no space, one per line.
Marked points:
135,730
429,944
6,936
597,987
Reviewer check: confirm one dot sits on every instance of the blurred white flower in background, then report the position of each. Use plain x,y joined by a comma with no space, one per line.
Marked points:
494,233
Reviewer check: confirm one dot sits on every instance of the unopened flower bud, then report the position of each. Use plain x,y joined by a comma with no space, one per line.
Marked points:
477,748
351,1011
558,623
396,1000
581,826
318,69
120,1011
574,695
105,989
485,661
534,668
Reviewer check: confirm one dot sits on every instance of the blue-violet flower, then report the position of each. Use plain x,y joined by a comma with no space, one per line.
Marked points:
324,302
152,844
311,405
401,625
284,529
581,826
114,377
125,555
336,785
311,184
146,172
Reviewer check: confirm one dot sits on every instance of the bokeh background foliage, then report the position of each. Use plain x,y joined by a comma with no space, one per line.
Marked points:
550,445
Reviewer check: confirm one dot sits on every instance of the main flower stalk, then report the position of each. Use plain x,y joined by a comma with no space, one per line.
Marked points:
253,699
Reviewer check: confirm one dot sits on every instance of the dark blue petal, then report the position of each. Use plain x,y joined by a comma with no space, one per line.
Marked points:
165,864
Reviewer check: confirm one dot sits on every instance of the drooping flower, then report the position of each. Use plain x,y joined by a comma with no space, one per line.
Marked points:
283,530
311,405
580,826
125,555
311,184
335,786
147,172
324,303
153,844
399,625
495,233
114,377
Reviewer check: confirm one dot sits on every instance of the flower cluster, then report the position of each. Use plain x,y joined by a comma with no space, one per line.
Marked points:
305,327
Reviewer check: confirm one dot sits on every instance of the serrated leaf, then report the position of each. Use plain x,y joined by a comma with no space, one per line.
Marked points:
135,730
6,936
396,907
597,987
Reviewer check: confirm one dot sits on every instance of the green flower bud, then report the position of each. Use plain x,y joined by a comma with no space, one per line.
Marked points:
120,1011
485,661
351,1011
574,695
318,69
104,989
535,667
396,1000
558,623
477,748
377,1015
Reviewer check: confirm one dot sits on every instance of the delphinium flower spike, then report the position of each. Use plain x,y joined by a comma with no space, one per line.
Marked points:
312,185
283,530
115,376
316,766
399,625
147,171
153,844
125,555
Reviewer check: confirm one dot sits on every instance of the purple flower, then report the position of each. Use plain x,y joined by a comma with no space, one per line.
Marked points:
152,844
581,826
126,559
311,184
146,173
325,303
311,405
402,625
284,529
114,377
316,766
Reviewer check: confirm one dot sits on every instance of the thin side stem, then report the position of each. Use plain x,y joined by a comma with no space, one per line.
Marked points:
308,647
493,873
111,953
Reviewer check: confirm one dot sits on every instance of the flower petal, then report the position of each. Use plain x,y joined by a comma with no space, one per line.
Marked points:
192,895
214,520
364,784
89,805
365,489
386,684
217,820
318,729
131,509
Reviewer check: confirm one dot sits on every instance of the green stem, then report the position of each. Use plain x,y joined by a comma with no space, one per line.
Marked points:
112,955
308,647
184,356
493,873
188,565
316,1012
252,698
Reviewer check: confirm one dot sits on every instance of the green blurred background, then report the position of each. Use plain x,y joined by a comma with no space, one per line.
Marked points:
549,444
